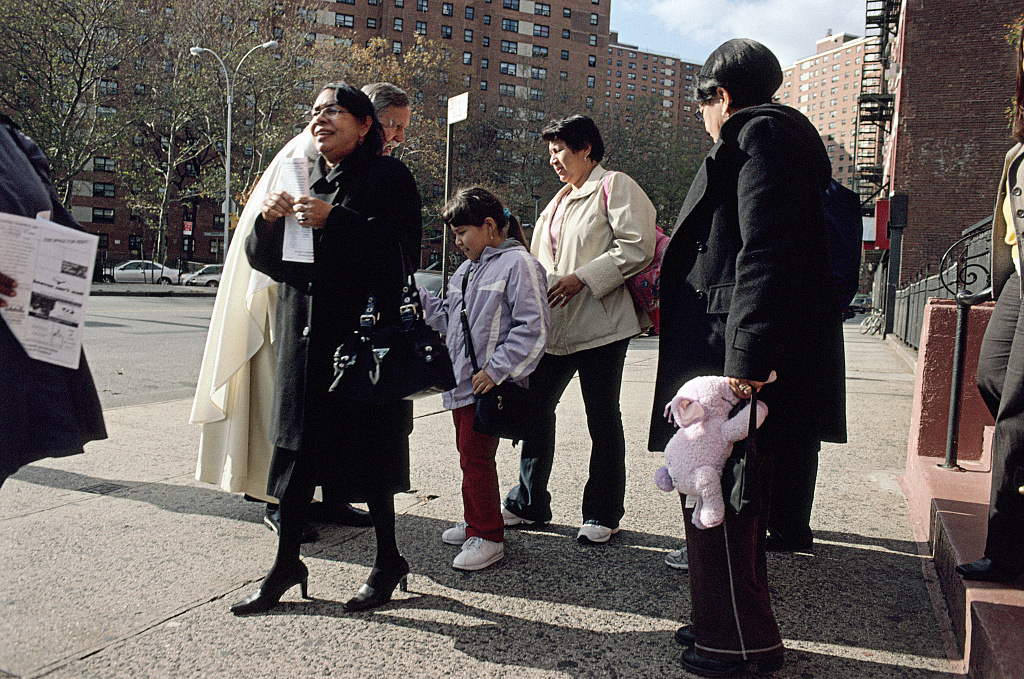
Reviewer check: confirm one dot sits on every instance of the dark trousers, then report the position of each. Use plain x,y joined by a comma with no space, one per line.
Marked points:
600,371
731,610
481,497
1001,383
793,482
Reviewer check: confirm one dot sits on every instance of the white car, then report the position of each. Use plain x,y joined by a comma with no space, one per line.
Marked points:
142,271
209,276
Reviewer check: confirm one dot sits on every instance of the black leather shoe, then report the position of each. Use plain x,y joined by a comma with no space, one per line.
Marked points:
988,570
697,664
379,587
272,519
277,582
685,637
342,514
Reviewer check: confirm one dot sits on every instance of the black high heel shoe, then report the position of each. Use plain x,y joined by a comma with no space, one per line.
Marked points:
378,588
273,587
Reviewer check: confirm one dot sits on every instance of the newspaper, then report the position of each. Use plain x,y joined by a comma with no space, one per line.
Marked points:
53,267
298,239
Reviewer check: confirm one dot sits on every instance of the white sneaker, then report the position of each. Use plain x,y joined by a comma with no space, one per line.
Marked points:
455,535
594,533
514,519
678,559
478,553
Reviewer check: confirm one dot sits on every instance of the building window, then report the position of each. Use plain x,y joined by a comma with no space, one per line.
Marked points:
540,31
507,90
509,47
447,8
539,51
484,63
536,94
446,32
510,4
567,13
421,6
399,3
590,102
592,60
396,47
421,28
102,190
487,20
538,73
344,20
103,111
593,20
103,214
542,9
590,81
108,87
593,40
483,84
485,41
565,55
467,58
510,25
371,22
469,12
507,68
101,164
565,33
467,35
398,24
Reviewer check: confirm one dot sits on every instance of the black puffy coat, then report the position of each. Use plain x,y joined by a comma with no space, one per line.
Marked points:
746,286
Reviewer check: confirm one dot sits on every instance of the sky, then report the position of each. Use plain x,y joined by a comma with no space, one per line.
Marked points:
692,29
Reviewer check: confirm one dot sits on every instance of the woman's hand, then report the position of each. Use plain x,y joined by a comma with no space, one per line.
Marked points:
482,383
7,286
742,388
276,205
565,289
311,212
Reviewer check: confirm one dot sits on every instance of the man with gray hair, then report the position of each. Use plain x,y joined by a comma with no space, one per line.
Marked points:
393,108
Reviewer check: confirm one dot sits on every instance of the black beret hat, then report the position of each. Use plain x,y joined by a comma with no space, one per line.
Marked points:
746,68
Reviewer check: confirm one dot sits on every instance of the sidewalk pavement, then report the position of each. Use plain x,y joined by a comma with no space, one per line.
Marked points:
118,563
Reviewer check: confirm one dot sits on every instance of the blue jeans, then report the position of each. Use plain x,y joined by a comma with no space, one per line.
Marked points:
600,371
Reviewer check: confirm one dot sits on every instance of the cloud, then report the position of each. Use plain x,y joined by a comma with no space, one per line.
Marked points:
693,28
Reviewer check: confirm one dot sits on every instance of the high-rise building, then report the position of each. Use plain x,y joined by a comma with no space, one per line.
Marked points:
825,87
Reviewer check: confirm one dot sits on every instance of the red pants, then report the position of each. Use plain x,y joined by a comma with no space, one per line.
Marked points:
481,500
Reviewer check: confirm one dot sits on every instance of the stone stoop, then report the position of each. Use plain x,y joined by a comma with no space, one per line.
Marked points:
987,618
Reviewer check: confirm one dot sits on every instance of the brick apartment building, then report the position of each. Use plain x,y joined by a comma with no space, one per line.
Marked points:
952,74
514,50
825,87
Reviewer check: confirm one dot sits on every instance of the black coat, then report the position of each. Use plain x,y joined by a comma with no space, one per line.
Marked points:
745,282
319,304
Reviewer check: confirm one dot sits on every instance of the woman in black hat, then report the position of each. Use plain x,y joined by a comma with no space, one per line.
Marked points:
746,288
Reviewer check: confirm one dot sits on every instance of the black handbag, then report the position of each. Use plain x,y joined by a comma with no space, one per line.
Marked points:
506,411
385,362
740,479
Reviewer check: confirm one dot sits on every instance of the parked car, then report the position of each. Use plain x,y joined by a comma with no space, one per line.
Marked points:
429,280
142,271
861,304
209,276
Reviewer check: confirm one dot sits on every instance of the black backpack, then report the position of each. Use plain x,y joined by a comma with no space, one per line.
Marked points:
844,234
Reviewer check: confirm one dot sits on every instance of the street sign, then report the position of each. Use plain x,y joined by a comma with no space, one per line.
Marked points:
186,228
458,108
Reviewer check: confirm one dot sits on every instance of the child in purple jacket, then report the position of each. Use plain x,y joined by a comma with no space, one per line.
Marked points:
506,303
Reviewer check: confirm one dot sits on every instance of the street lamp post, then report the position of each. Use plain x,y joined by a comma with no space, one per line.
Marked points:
196,51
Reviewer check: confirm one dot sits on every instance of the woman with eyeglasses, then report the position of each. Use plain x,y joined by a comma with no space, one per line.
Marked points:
746,289
364,210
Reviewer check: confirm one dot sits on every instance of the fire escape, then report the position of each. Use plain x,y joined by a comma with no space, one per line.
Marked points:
875,103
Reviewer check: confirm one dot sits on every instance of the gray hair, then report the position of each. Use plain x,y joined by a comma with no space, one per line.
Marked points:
386,95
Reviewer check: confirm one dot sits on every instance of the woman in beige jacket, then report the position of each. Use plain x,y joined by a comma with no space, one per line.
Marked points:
595,233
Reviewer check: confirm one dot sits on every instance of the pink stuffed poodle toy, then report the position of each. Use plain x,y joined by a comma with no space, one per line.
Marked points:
696,454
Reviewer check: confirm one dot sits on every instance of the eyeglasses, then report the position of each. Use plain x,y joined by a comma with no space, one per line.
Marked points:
329,112
699,113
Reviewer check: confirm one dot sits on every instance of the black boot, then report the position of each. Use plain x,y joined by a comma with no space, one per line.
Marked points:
275,584
987,570
379,587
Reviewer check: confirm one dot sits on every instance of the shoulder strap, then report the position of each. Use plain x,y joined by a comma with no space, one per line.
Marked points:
464,317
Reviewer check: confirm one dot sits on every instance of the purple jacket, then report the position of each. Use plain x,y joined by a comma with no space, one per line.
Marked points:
506,302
